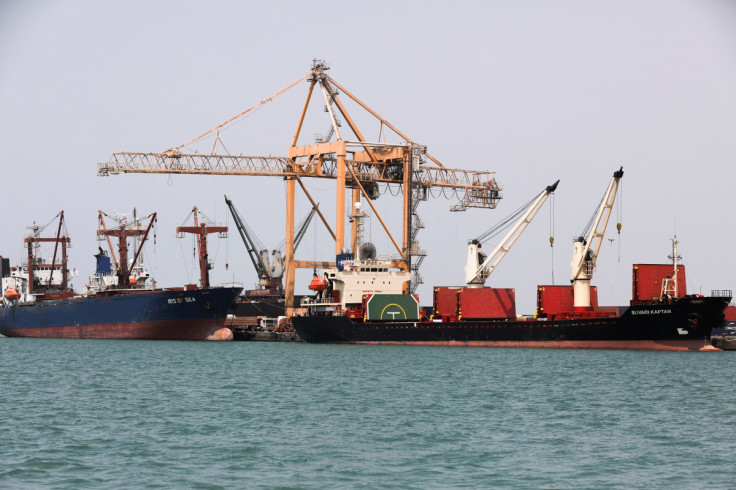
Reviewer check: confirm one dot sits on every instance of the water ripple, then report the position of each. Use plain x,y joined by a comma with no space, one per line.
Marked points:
111,414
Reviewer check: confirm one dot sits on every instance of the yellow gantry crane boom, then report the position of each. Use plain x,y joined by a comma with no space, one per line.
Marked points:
357,165
326,167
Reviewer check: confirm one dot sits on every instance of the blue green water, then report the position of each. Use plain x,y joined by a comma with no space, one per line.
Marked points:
136,414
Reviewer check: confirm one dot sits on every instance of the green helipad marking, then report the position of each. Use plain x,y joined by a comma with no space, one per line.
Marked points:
392,307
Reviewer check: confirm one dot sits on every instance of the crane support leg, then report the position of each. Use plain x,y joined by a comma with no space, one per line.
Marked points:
340,203
289,251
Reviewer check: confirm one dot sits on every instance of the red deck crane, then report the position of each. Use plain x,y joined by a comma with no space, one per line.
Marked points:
201,230
60,238
122,232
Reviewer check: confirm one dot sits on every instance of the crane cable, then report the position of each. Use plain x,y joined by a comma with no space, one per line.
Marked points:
184,261
269,99
155,254
619,217
506,222
227,248
552,234
41,228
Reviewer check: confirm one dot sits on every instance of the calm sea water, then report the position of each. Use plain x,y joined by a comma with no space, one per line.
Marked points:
136,414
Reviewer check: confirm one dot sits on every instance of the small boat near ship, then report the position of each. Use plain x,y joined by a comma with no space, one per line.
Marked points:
116,304
363,301
725,338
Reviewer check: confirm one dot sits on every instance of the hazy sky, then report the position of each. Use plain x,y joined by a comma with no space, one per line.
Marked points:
533,90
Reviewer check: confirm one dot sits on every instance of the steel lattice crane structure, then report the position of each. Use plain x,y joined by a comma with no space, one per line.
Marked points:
356,164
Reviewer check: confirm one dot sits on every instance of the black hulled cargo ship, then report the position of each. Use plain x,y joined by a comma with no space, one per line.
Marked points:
677,324
363,301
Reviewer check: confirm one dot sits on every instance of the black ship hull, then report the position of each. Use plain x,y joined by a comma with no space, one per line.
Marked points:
683,324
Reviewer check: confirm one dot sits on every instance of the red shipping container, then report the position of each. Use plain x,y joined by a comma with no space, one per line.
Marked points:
730,313
648,278
487,303
552,300
445,302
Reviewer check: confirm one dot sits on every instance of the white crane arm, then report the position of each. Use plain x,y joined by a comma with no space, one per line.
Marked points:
475,276
584,258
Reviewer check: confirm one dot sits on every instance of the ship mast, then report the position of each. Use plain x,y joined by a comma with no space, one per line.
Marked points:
356,218
669,284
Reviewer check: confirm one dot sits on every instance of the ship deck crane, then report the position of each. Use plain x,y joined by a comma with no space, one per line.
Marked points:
475,274
32,240
122,232
270,270
201,229
585,249
357,165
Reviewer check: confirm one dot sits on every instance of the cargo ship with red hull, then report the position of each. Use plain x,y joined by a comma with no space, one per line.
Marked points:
38,302
363,301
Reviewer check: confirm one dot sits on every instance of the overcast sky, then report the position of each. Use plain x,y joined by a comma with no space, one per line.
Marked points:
533,90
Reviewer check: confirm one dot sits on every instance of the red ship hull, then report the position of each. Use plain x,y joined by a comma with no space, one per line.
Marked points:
198,329
671,345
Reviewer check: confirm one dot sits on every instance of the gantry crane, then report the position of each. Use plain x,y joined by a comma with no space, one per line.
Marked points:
585,249
357,165
270,270
201,229
479,266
